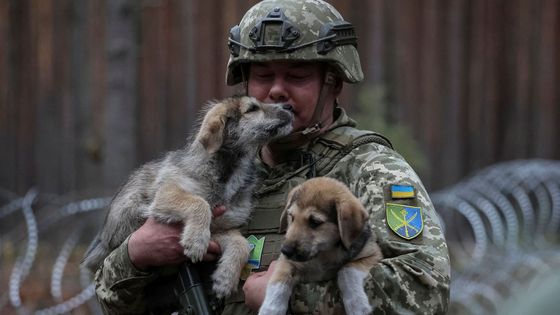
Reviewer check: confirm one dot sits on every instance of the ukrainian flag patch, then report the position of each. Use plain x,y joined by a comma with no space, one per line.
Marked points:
402,192
405,221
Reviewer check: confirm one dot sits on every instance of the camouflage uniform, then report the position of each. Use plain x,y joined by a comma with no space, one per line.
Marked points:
413,278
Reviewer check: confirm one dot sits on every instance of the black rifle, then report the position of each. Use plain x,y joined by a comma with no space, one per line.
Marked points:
190,292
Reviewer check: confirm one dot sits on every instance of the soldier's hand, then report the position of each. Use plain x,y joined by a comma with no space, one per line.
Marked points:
156,244
255,287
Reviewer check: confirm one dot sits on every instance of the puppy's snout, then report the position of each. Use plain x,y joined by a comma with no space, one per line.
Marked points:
288,107
288,250
293,251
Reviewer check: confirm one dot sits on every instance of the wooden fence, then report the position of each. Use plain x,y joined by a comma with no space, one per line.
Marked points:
91,89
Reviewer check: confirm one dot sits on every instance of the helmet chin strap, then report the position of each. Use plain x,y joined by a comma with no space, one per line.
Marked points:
299,138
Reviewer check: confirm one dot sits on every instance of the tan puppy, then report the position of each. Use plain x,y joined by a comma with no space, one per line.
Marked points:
327,236
215,169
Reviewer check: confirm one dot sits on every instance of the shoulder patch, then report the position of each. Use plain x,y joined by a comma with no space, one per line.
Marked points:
406,221
256,246
402,192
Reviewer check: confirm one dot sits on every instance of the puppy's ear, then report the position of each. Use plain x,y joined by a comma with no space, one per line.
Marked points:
284,221
292,197
351,217
211,133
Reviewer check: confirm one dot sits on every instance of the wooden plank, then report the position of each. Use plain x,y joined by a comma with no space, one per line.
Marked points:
218,48
181,115
8,107
546,81
556,135
491,90
233,12
121,110
454,108
203,42
79,73
65,16
82,46
152,81
55,137
94,154
429,83
25,77
516,142
408,33
227,20
48,110
476,82
374,59
191,98
475,79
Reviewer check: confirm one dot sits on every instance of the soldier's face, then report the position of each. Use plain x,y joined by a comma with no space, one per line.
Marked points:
295,83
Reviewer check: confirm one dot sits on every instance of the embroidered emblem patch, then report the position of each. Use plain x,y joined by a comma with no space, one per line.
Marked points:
402,191
405,220
256,246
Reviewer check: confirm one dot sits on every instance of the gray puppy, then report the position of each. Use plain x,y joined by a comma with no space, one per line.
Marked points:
216,169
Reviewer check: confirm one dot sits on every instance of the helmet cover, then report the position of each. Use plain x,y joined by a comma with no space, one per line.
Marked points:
294,30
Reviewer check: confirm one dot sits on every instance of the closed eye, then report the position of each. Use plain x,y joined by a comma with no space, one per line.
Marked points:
252,108
314,222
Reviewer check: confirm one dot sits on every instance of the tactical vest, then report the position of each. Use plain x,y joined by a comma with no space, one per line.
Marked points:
318,159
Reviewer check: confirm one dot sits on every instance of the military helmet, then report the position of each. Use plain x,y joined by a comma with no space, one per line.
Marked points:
294,30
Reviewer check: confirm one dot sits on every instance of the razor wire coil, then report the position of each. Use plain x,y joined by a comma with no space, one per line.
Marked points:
511,209
517,205
23,264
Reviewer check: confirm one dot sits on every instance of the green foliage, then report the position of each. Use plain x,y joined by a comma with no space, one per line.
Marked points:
371,113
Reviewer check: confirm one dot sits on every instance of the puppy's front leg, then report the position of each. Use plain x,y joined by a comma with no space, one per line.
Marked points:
235,253
173,204
279,289
351,283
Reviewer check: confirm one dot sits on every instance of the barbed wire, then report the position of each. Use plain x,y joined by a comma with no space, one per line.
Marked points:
511,211
24,262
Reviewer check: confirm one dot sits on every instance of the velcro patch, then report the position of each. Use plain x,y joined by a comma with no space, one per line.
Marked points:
402,192
256,246
405,221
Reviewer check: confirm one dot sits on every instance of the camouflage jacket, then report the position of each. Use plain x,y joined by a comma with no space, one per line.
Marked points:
413,277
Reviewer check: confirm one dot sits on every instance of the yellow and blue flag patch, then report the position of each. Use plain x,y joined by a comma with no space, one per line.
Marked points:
405,220
402,191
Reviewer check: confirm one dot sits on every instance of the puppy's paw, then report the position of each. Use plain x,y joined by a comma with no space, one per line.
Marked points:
224,282
276,299
195,244
269,309
358,306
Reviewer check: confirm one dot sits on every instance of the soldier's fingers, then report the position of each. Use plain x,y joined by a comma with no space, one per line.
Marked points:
214,248
209,257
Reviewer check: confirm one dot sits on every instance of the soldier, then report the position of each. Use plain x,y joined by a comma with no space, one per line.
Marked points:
300,52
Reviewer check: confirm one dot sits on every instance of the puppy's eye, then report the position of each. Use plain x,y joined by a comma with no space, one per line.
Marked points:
252,108
314,222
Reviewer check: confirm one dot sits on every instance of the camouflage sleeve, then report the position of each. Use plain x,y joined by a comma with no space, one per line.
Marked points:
413,277
119,285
